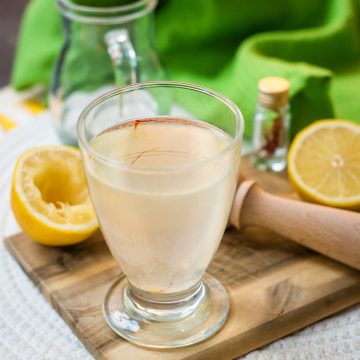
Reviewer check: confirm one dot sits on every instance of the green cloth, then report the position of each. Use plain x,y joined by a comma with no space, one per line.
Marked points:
228,45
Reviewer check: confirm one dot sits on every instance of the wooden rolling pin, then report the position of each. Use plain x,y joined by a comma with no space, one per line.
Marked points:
332,232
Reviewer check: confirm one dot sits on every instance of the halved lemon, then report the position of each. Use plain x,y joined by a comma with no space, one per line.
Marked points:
324,163
49,196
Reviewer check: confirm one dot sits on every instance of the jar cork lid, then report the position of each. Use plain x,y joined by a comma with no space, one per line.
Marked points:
273,92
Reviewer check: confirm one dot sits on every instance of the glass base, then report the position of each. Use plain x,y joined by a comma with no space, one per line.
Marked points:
166,321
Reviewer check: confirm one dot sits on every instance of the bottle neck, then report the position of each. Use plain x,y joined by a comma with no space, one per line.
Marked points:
88,28
283,109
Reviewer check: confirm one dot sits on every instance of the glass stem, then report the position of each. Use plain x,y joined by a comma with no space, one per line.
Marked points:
164,307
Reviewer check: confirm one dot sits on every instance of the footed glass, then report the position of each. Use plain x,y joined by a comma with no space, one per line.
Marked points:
162,160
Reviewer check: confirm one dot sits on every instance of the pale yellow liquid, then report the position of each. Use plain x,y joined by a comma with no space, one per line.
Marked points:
164,211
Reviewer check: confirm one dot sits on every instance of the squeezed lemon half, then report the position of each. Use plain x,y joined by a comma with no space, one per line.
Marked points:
49,196
324,163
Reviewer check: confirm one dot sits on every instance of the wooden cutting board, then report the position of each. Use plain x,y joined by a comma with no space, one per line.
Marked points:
276,287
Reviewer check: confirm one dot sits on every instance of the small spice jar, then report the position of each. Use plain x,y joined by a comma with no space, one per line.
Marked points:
271,125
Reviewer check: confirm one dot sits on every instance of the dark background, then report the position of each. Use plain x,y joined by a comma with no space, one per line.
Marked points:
10,15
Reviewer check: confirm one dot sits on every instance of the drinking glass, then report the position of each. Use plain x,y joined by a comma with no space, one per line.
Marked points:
161,161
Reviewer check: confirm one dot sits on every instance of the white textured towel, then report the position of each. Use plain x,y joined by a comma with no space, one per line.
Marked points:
31,329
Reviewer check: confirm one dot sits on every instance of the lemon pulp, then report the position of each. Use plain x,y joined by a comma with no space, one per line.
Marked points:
50,198
324,163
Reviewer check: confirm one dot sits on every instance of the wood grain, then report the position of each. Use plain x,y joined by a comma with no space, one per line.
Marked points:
276,287
330,231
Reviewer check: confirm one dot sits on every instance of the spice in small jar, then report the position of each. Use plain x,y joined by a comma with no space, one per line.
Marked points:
271,125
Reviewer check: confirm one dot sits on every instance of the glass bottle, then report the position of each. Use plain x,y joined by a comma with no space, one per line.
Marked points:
271,125
104,48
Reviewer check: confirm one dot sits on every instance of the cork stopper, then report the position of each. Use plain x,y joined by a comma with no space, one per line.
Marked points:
273,92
